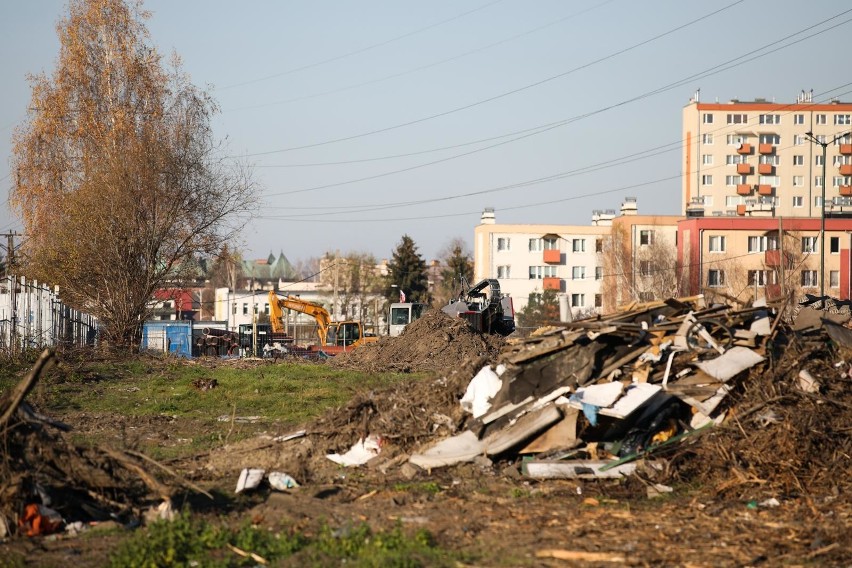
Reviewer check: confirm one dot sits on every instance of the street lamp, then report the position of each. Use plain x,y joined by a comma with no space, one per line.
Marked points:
824,145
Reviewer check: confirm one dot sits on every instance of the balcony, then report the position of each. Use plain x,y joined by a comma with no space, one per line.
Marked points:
552,256
846,169
764,189
762,206
765,149
741,209
772,259
743,169
744,149
846,149
744,189
765,169
551,283
846,190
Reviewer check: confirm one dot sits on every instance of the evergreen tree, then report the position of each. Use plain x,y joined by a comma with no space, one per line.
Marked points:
542,309
456,264
407,271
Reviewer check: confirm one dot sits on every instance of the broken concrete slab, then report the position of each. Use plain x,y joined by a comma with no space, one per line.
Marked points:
581,469
731,363
449,451
524,428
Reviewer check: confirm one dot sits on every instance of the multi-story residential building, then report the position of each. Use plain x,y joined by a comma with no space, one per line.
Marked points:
741,258
529,259
757,158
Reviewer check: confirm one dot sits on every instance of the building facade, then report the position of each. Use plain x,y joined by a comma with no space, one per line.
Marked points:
757,158
747,258
529,259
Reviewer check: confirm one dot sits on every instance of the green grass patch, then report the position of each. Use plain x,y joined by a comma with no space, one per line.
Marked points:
430,487
188,541
145,391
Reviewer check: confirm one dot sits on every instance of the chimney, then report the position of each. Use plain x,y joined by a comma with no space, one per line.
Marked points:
488,217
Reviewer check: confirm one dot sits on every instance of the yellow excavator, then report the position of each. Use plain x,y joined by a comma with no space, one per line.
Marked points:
334,337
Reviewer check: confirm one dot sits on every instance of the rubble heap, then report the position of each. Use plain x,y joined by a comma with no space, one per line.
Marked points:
48,484
435,342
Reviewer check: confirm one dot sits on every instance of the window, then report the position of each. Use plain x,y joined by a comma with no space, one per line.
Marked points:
598,272
734,181
646,237
234,309
798,139
770,139
707,139
842,160
706,179
551,243
598,245
578,300
707,118
774,181
834,245
842,119
708,202
736,139
757,278
717,243
266,309
503,243
798,119
798,181
798,160
818,201
809,244
737,118
578,245
539,272
809,278
731,159
715,278
837,181
245,309
798,201
504,271
818,183
834,279
770,119
772,159
536,245
598,300
646,268
578,272
818,160
762,243
819,119
734,200
707,159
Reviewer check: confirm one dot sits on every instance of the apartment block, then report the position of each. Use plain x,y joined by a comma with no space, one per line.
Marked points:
765,159
529,259
747,258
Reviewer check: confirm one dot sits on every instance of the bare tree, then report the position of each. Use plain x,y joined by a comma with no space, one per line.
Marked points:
634,273
456,264
118,180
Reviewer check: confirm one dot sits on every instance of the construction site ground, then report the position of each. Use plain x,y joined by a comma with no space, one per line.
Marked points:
746,493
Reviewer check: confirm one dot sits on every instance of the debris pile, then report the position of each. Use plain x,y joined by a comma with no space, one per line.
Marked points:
435,342
48,484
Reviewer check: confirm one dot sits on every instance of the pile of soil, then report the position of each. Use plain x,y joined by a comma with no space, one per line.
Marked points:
436,342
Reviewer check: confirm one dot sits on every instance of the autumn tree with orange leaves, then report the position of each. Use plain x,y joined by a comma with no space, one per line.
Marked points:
118,180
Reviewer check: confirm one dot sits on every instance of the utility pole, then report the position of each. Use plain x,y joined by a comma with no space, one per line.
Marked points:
824,145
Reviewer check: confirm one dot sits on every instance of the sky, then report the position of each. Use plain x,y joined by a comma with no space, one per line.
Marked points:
366,121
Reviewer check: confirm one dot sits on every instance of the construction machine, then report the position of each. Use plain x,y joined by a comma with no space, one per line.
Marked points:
334,337
484,308
402,314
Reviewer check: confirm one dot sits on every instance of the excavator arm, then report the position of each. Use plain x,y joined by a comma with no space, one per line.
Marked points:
276,313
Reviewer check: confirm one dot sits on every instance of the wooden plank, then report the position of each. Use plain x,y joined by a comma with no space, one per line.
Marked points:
525,428
561,435
577,469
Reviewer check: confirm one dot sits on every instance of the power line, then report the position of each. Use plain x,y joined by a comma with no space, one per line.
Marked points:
504,94
423,67
362,50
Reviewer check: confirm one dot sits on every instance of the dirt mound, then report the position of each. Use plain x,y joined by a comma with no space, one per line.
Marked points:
778,439
435,342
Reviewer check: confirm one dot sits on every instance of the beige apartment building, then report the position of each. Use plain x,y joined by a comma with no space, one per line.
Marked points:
529,259
757,158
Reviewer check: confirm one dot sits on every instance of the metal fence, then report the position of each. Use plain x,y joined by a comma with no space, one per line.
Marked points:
32,316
